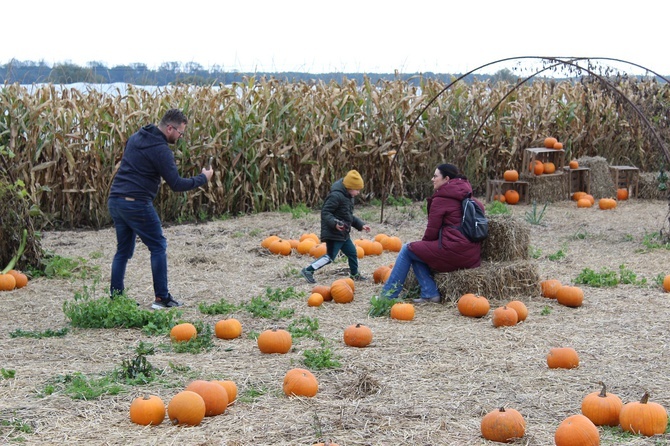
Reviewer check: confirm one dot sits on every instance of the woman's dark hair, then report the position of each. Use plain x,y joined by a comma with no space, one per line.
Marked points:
449,170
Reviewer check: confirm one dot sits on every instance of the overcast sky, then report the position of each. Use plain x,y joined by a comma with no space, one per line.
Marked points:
317,36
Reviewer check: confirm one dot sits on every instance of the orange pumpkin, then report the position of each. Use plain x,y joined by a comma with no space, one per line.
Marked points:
574,164
318,251
644,417
549,142
666,283
520,308
570,296
294,243
473,306
20,278
183,332
622,194
558,146
231,389
578,195
607,203
357,335
503,425
306,245
186,407
504,317
550,287
7,282
402,311
324,291
562,358
341,292
268,241
584,203
393,244
511,175
512,196
500,198
280,247
228,329
310,235
275,340
379,237
378,274
577,430
315,300
300,382
602,408
536,167
549,167
213,394
147,410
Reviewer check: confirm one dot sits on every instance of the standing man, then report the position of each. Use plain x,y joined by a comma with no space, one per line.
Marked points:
146,159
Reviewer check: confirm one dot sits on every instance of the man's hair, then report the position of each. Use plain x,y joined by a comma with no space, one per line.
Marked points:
173,116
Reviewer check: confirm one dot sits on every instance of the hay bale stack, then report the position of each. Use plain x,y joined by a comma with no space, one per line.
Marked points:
509,239
547,188
648,187
600,177
506,270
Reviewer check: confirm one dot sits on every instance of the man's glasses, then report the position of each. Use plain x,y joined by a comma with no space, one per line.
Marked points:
181,134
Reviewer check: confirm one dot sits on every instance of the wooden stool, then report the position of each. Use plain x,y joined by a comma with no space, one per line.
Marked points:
579,180
626,177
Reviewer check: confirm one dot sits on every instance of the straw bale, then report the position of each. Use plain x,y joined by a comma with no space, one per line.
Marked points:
547,188
648,187
509,239
495,280
600,177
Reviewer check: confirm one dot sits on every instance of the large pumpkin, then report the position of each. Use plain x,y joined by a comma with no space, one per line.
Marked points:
275,340
644,417
577,430
357,335
602,408
300,382
341,292
473,306
503,425
186,407
562,358
213,394
147,410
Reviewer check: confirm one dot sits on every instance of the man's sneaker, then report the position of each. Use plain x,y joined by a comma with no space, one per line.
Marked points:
308,275
436,300
166,302
358,277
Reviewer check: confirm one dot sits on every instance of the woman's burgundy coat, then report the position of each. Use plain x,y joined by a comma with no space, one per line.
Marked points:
455,251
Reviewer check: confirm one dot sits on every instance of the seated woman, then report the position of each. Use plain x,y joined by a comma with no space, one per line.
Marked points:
443,247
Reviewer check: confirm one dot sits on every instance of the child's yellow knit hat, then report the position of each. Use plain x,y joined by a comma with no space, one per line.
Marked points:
353,180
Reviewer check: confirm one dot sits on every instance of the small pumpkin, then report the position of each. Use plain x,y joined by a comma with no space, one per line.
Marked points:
20,278
300,382
607,203
324,291
577,430
504,317
357,335
512,196
643,417
622,194
536,167
500,198
471,305
602,408
549,167
574,164
578,195
231,389
570,296
558,146
402,311
392,243
183,332
186,407
318,251
305,246
379,273
379,237
147,410
7,282
275,340
280,247
520,308
228,329
584,203
666,283
562,358
267,241
590,198
550,287
314,300
310,235
294,243
375,249
341,292
511,175
549,142
503,425
213,394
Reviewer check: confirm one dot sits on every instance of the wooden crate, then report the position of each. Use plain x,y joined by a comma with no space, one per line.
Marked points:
544,155
579,180
626,177
499,187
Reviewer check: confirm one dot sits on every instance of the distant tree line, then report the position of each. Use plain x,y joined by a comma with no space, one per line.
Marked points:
29,72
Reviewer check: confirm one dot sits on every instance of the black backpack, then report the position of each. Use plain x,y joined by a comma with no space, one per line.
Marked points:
474,225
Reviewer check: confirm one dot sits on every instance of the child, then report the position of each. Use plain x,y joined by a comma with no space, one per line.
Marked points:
337,218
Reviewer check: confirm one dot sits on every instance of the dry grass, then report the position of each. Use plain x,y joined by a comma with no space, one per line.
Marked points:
424,382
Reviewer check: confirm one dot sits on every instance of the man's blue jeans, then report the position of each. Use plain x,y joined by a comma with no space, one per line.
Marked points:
132,219
406,259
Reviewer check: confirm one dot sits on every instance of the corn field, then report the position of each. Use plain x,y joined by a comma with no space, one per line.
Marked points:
276,143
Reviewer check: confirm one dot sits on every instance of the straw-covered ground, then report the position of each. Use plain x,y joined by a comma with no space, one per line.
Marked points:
424,382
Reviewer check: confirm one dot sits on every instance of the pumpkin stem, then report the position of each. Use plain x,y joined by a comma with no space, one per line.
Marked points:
603,392
502,409
645,398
